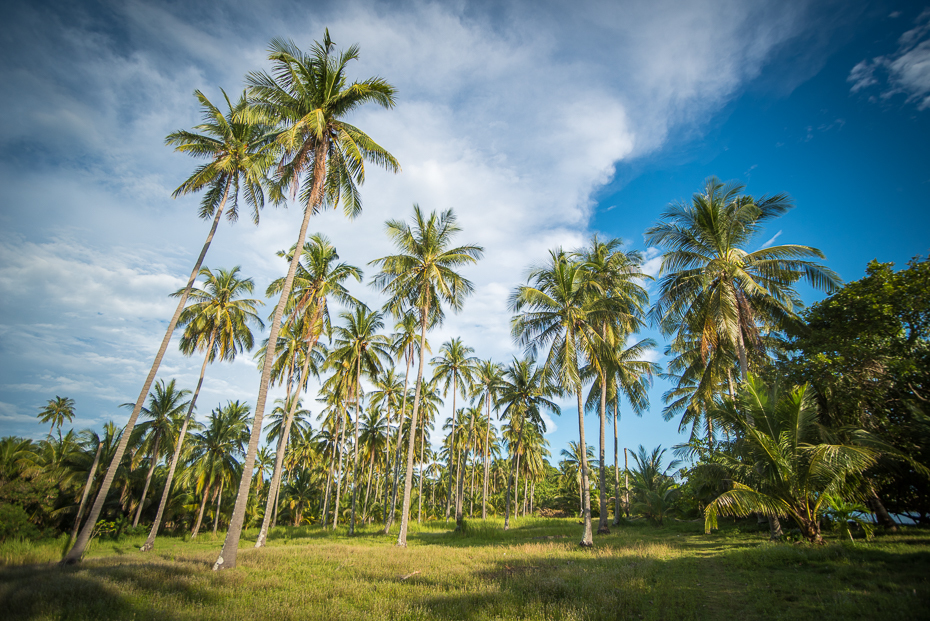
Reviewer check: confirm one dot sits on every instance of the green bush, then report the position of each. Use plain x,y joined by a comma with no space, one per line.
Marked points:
15,524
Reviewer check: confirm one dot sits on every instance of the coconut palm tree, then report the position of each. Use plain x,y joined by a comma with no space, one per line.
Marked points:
784,464
57,410
713,287
420,280
614,278
217,322
308,95
488,377
166,408
364,351
572,465
239,151
454,367
556,310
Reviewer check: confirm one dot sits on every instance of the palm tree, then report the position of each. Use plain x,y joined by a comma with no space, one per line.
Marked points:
456,368
365,351
572,465
216,323
58,410
430,402
653,487
420,280
240,153
287,417
524,393
89,438
166,407
488,376
712,287
307,95
556,310
317,278
614,278
784,463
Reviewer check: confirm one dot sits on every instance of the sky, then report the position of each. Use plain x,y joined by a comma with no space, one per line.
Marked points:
539,123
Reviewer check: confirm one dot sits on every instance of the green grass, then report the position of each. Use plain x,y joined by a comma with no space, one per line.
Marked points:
533,571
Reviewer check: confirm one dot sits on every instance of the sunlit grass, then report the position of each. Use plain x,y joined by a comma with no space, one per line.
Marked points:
533,571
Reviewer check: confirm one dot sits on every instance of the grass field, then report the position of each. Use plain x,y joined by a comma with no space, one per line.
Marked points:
533,571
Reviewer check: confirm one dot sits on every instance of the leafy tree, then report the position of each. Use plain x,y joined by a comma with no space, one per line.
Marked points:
420,280
57,411
307,96
653,488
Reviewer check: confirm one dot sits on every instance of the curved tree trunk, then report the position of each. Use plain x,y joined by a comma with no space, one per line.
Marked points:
411,444
602,527
87,486
389,515
77,551
227,557
150,541
148,479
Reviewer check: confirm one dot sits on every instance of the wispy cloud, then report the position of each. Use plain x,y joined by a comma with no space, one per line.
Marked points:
771,241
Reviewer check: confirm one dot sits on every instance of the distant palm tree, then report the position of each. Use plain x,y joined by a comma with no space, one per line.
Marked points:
58,410
488,378
653,485
216,323
455,368
308,95
166,409
572,464
420,280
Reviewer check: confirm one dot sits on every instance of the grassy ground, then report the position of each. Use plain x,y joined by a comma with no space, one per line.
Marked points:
534,571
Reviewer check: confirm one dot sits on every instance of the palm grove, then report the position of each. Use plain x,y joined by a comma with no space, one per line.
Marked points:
793,414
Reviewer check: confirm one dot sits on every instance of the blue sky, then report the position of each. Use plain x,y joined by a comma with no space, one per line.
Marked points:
539,125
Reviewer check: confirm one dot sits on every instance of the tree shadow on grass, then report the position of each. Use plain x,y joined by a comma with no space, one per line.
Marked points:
100,590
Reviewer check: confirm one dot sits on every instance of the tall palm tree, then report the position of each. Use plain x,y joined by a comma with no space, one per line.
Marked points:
524,393
217,322
454,368
166,408
366,352
57,410
420,279
318,277
614,278
714,288
308,95
488,376
556,310
389,395
239,151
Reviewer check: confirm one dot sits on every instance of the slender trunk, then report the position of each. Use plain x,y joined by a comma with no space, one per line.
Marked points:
408,479
389,518
358,416
452,452
626,485
227,557
487,449
532,497
514,460
463,463
516,489
602,527
90,480
340,444
329,486
219,504
371,472
741,352
471,491
148,479
77,551
203,506
586,537
150,541
616,468
420,470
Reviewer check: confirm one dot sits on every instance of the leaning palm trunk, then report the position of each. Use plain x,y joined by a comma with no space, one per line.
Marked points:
408,478
586,537
148,480
87,486
389,517
77,551
150,541
602,528
616,473
203,506
227,558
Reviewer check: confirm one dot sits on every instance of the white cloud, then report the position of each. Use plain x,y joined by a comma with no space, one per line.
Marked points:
771,241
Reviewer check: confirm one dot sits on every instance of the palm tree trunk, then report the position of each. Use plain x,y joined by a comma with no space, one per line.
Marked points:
420,470
358,416
219,500
340,443
150,541
586,537
487,449
148,479
516,488
626,485
471,491
77,551
227,557
451,453
203,506
329,486
602,527
616,468
389,517
371,472
408,478
90,480
460,491
514,460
